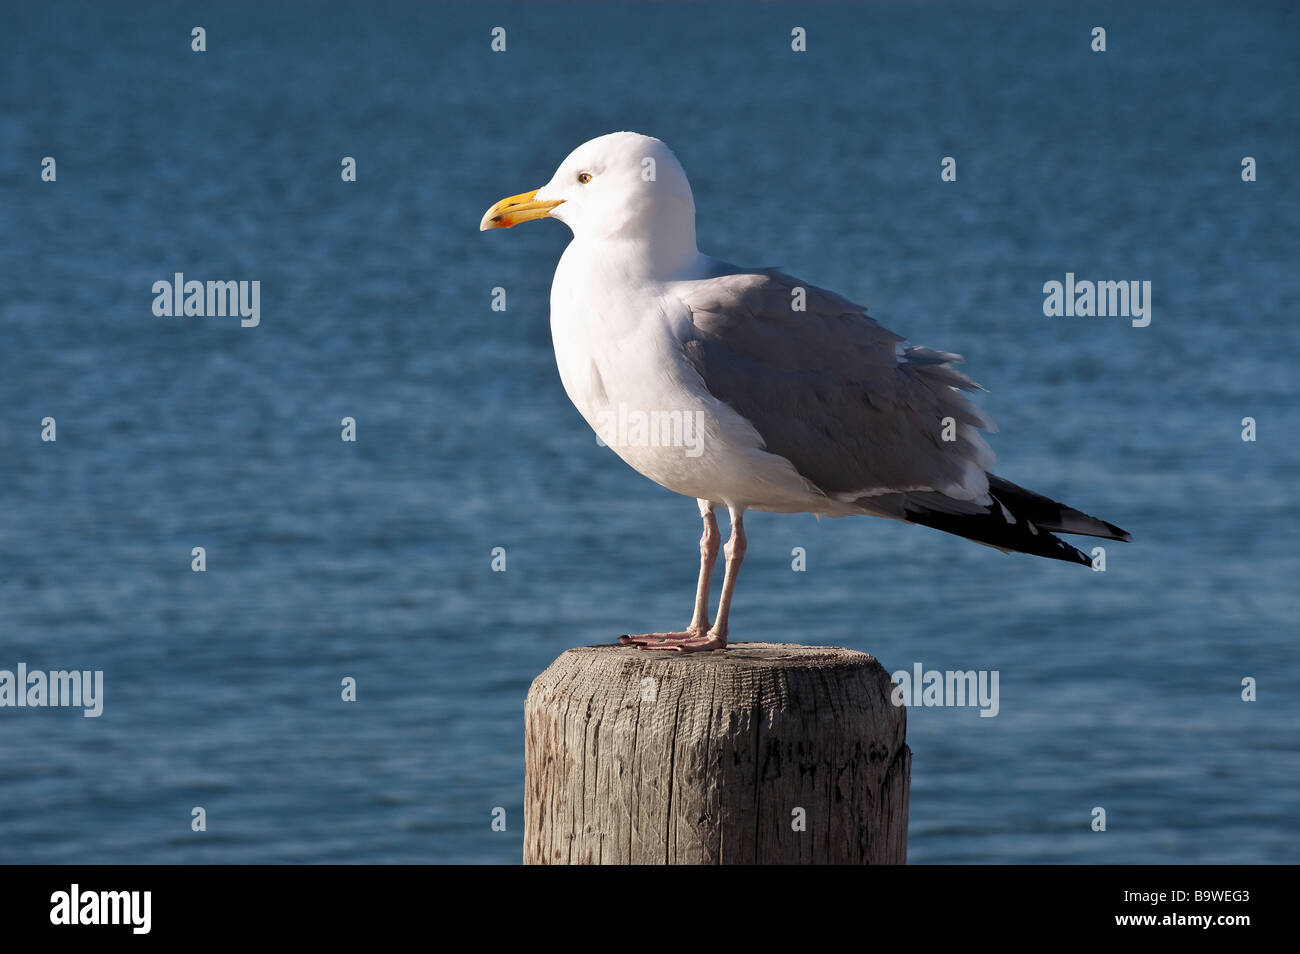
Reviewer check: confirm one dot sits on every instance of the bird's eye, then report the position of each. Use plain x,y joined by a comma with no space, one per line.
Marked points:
584,177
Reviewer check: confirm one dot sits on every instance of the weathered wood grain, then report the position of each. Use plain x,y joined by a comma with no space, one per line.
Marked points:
639,757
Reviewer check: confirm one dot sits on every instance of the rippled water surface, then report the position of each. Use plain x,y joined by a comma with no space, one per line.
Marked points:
372,560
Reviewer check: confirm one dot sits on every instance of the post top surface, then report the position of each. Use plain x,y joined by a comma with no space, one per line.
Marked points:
741,656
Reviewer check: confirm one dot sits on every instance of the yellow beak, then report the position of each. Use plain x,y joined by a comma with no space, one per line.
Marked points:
515,209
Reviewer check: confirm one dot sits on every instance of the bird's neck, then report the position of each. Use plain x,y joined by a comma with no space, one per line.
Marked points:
645,256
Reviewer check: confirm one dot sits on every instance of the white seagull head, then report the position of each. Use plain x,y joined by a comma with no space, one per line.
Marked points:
622,187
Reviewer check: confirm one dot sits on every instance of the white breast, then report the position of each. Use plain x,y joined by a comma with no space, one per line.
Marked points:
618,347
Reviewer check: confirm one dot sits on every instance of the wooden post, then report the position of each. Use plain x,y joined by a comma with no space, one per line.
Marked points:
766,753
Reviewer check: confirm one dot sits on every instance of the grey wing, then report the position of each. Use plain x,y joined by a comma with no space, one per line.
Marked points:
826,387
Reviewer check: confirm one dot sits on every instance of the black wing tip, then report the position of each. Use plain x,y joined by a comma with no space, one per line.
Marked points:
991,529
1051,514
1100,529
1058,550
1077,557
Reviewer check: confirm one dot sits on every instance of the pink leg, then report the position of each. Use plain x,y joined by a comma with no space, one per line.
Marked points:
700,618
735,553
716,638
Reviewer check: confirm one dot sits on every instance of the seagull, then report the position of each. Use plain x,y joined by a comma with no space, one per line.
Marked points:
749,389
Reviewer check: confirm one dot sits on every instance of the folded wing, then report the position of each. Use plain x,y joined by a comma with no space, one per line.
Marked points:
866,420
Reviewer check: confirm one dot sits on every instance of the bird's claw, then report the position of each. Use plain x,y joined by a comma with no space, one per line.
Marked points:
689,641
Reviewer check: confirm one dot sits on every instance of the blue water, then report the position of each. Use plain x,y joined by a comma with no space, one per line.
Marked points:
372,560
